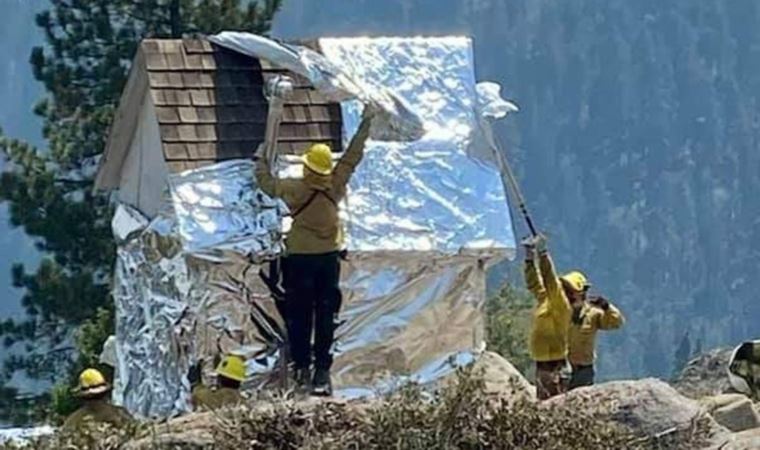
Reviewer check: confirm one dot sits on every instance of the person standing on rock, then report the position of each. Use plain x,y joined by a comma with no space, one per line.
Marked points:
551,319
311,268
588,316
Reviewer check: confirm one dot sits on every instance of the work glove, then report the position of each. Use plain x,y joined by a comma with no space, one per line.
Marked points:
540,243
535,243
600,302
370,111
530,247
259,152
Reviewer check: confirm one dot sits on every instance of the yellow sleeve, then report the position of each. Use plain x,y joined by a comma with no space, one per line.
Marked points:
611,319
533,281
273,186
554,291
353,155
264,178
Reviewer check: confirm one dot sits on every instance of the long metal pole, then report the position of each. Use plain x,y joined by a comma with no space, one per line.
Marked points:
514,186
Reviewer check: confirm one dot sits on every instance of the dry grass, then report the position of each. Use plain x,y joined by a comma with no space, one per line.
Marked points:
460,416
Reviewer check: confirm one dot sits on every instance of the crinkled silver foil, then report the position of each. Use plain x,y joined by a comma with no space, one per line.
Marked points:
153,339
407,317
335,80
430,194
186,285
424,221
218,211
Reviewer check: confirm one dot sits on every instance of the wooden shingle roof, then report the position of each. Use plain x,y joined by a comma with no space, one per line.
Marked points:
210,104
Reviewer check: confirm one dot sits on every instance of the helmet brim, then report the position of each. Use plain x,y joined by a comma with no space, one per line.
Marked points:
93,390
230,376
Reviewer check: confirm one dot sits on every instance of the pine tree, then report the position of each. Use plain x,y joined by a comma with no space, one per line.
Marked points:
83,67
508,321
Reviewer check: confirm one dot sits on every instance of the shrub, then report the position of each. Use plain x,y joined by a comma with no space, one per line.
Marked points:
508,321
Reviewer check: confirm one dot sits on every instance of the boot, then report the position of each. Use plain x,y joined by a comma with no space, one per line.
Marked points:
321,385
302,378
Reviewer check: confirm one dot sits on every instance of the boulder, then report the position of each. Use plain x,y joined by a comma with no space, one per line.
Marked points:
651,408
503,382
192,431
734,411
705,375
745,440
502,379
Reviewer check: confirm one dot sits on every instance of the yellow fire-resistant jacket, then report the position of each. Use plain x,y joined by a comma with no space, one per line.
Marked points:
583,328
205,398
97,411
316,229
551,317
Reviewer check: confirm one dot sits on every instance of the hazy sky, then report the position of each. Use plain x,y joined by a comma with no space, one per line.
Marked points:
19,91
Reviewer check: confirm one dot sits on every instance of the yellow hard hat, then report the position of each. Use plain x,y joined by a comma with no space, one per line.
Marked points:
319,159
92,382
576,281
232,367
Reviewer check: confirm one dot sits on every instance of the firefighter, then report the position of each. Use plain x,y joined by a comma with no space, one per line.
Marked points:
588,316
551,319
311,268
93,390
230,373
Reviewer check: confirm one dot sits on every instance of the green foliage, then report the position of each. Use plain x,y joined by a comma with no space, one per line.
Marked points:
19,410
63,402
89,338
83,67
91,335
508,322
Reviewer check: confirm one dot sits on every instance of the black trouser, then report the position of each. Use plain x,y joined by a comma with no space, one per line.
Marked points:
313,299
582,376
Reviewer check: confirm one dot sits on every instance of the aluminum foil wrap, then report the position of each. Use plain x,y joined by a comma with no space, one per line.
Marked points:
187,288
153,340
335,80
219,211
430,194
424,221
407,317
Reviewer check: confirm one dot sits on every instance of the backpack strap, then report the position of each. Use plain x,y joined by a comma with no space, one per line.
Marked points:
332,200
311,198
305,204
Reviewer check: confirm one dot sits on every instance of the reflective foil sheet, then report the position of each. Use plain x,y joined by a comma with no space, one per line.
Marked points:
187,286
335,80
153,338
218,211
394,311
424,221
430,194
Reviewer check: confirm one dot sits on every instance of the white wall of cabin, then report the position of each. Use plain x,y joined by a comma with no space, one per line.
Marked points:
145,172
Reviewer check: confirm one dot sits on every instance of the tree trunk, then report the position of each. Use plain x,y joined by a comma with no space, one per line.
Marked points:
175,20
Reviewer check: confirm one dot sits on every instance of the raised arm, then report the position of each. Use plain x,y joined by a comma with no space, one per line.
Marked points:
271,185
553,286
549,275
533,280
355,152
264,178
611,319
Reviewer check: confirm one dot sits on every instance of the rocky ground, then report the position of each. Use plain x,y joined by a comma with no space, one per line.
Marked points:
490,406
